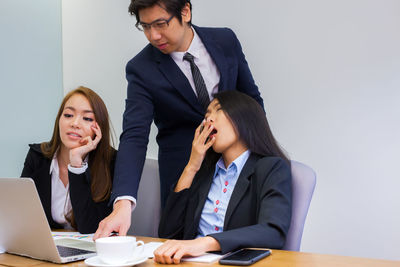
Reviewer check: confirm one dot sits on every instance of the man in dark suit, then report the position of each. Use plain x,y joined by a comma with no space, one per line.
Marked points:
171,81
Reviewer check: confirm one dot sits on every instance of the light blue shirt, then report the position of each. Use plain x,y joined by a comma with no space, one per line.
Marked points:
224,181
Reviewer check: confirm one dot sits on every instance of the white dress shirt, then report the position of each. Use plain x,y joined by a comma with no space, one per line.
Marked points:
204,62
60,200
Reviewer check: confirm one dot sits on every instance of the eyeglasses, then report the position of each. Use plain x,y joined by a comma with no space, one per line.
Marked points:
160,24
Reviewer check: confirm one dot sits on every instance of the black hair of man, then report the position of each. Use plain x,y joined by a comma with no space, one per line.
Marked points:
173,7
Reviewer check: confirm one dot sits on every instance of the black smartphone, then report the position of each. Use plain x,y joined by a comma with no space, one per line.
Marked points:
244,256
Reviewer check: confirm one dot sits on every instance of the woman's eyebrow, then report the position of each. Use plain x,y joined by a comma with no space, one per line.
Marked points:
84,111
71,108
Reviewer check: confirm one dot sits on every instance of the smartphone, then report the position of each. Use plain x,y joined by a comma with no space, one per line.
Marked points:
244,256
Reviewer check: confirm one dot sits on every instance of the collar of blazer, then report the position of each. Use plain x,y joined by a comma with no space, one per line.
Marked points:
175,76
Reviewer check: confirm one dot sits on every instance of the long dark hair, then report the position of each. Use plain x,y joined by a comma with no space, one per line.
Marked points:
100,158
250,123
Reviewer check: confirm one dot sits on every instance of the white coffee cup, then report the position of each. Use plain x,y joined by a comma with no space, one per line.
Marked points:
118,249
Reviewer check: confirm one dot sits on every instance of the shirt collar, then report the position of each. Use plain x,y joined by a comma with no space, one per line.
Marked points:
54,164
238,163
194,48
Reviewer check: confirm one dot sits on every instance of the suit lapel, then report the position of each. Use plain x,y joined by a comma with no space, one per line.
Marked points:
43,183
240,187
176,77
217,54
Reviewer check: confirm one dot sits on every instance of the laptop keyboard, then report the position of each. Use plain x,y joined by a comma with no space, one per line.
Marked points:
68,251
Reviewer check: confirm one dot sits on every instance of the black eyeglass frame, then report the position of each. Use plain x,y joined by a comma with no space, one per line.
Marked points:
139,25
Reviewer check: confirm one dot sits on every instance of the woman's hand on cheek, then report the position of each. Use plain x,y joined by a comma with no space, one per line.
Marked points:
76,155
201,143
172,251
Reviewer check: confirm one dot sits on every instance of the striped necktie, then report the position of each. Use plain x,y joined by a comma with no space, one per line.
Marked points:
201,89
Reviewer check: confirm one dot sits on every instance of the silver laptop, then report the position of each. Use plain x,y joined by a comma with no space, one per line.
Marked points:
24,229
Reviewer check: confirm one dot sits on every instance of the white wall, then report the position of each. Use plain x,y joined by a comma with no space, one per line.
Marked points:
30,77
329,74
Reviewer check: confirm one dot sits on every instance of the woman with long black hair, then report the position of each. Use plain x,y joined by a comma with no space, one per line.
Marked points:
237,194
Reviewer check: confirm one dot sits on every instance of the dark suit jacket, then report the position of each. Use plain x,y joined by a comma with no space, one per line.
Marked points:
157,89
258,213
87,213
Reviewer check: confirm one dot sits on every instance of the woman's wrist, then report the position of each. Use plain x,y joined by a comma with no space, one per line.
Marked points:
75,159
76,163
186,179
210,243
81,165
190,170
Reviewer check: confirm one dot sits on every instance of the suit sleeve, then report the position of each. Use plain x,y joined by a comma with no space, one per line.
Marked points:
245,82
273,216
28,165
173,217
87,213
137,119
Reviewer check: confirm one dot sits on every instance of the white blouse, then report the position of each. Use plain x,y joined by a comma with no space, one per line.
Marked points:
60,200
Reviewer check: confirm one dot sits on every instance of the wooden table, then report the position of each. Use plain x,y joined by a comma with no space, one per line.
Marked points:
278,258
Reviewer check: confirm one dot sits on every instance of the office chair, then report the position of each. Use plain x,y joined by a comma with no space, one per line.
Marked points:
147,214
303,184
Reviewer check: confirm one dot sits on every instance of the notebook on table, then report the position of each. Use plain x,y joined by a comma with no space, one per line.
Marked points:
24,229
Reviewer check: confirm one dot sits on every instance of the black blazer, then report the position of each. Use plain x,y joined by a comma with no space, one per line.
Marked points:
87,213
258,213
158,90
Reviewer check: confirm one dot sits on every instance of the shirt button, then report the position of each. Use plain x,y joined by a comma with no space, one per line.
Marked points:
216,228
217,202
226,183
216,210
224,190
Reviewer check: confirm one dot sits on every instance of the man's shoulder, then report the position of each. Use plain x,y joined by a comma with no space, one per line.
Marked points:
145,55
215,32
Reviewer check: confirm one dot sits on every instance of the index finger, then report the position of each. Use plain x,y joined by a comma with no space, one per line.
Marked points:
102,231
199,128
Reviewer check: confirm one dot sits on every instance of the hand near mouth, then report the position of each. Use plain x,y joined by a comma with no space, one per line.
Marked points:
203,139
78,154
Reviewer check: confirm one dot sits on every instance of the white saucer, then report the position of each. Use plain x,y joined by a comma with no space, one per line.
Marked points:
95,261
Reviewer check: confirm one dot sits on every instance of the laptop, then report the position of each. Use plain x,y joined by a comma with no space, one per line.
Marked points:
24,229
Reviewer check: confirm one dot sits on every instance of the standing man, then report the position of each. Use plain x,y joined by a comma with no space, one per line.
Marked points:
171,81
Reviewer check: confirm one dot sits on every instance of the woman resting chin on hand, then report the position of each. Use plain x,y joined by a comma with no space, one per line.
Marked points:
235,195
73,171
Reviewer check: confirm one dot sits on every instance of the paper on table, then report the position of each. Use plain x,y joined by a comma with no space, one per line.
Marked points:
207,258
2,250
150,247
73,235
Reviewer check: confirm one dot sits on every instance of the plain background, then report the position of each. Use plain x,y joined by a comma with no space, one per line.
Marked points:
329,75
30,77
